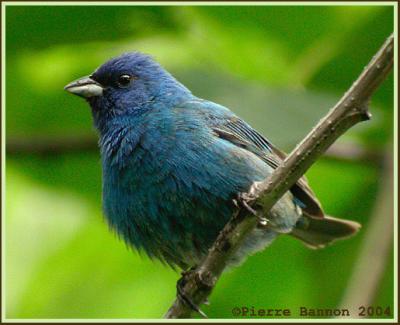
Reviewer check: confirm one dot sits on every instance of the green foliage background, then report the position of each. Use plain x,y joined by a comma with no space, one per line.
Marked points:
279,67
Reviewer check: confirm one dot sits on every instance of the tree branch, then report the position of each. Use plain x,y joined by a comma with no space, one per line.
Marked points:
350,110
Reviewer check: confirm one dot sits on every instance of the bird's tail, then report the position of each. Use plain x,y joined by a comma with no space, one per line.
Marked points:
317,233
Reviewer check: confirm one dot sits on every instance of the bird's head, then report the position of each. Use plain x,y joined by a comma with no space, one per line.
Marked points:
127,85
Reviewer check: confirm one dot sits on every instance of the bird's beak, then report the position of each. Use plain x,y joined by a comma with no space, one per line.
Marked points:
84,87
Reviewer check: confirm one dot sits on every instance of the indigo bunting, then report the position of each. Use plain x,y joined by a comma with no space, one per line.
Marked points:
173,165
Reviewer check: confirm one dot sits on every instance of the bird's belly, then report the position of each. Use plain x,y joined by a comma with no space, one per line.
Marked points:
175,214
167,217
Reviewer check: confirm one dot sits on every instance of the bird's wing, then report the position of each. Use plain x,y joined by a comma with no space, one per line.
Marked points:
233,129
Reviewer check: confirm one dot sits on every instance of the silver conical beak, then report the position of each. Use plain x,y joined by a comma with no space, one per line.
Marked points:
84,87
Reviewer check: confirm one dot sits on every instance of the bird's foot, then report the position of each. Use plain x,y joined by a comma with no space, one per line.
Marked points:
183,297
243,198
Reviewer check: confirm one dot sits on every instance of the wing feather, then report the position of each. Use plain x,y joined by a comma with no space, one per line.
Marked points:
241,134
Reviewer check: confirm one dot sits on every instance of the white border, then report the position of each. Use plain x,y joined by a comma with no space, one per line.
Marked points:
228,3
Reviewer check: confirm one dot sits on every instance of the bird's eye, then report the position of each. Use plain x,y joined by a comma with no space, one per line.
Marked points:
124,80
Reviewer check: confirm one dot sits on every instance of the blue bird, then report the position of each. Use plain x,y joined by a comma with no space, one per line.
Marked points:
173,165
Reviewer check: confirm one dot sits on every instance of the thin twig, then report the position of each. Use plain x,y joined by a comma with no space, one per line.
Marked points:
350,110
66,144
44,145
375,251
354,152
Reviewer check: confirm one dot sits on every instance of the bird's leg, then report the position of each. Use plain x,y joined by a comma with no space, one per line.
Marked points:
186,273
182,296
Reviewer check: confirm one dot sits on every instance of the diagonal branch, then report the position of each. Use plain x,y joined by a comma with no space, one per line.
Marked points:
350,110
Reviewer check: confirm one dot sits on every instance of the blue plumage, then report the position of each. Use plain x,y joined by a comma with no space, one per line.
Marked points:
173,163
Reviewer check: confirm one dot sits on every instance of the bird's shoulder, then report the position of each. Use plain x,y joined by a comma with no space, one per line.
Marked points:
226,125
229,127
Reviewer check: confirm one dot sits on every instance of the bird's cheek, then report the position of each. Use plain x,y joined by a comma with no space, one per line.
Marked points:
100,103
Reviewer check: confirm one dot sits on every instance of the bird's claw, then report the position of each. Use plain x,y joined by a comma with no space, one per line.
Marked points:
243,199
183,297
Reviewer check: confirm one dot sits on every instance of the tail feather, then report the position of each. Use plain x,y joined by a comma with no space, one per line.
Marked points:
317,233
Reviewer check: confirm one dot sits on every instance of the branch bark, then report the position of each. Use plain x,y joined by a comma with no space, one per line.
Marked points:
351,109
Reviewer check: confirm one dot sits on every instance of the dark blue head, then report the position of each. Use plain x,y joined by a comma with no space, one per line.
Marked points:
127,85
